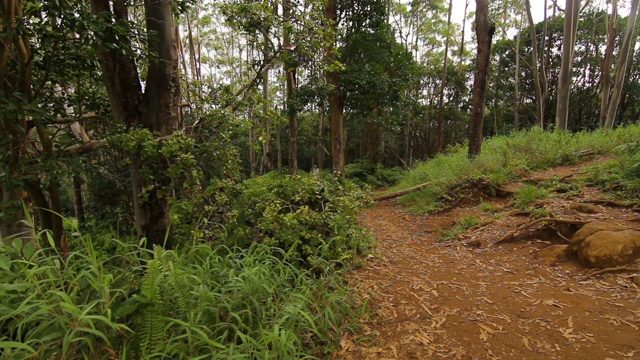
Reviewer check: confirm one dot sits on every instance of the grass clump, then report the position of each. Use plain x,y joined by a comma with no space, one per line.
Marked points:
503,158
528,194
619,176
201,302
463,224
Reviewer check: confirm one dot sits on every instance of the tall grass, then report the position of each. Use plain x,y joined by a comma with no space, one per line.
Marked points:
504,157
197,303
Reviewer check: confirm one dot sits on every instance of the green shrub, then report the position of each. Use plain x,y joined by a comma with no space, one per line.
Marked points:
204,302
308,217
364,172
529,193
619,176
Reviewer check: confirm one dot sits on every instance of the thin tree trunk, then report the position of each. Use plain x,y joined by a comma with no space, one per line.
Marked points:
534,66
78,204
336,101
623,62
464,25
544,59
572,9
279,147
290,74
485,29
606,65
443,84
516,93
267,157
319,146
252,148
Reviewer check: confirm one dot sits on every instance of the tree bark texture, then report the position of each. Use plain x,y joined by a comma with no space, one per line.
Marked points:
621,70
290,74
336,100
606,65
485,28
157,109
16,86
572,10
534,66
443,84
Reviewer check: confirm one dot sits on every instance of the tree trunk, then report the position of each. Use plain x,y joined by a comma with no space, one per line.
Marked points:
534,66
267,157
544,59
571,14
78,203
157,109
606,65
319,145
16,86
443,84
279,148
290,74
623,62
485,29
252,148
516,92
336,101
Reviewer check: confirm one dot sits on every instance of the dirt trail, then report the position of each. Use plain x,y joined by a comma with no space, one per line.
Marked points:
433,299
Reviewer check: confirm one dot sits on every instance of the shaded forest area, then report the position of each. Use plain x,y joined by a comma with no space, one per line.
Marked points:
147,144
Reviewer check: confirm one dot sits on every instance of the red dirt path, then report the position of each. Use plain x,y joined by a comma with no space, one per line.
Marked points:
432,299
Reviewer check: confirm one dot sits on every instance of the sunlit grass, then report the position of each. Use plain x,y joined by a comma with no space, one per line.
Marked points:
506,158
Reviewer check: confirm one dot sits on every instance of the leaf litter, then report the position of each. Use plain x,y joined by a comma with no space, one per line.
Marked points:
432,299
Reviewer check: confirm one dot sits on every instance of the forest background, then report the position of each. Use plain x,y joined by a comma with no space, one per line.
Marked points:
173,124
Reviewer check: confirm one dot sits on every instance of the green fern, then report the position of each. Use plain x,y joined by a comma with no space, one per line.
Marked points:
151,329
174,276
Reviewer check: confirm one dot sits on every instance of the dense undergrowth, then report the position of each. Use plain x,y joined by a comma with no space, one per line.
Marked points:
260,279
506,158
257,271
201,302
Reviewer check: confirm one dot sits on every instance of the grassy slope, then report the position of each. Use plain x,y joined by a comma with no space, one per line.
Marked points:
504,157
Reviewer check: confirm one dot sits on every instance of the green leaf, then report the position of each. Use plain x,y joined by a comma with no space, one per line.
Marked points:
5,263
16,345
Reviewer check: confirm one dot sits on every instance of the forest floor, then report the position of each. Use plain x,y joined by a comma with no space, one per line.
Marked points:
472,298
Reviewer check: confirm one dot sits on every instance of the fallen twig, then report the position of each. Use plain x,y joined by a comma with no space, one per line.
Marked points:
400,192
614,269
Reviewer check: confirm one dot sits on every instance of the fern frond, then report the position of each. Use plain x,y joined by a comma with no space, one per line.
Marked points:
151,329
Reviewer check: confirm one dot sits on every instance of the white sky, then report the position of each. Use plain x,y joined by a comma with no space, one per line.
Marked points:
537,9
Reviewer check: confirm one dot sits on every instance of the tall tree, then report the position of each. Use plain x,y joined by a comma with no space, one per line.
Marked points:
336,99
623,62
485,28
156,109
290,75
537,82
571,14
606,64
443,84
34,93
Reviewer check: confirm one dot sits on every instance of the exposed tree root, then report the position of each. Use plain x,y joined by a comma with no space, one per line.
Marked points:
490,221
610,203
614,269
551,222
